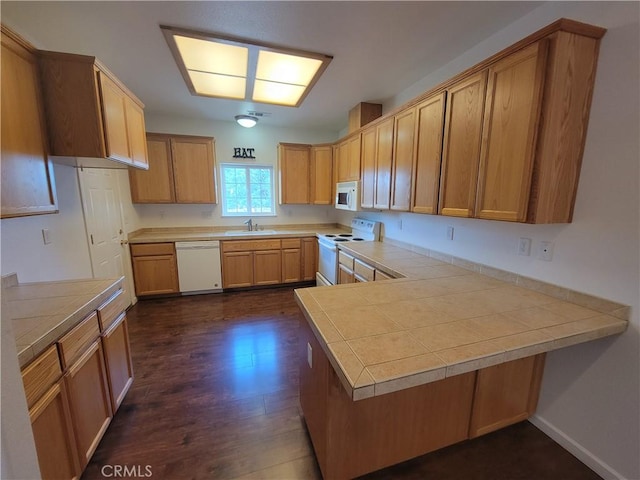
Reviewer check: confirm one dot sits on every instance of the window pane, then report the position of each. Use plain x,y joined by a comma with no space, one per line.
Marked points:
247,189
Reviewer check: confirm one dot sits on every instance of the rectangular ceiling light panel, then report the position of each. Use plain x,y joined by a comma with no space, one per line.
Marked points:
225,67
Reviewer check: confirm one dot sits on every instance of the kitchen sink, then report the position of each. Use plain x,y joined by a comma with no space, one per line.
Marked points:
246,232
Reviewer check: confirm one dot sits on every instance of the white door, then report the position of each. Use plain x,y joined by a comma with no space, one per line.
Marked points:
103,221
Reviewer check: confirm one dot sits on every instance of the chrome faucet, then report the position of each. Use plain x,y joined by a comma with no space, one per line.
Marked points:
249,224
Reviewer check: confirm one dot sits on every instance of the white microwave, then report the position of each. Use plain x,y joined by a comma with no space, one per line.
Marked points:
348,196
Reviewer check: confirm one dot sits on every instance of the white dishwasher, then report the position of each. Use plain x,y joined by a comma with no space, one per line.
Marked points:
199,267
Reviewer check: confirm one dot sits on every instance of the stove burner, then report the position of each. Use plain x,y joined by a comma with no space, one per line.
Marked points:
340,239
346,235
356,239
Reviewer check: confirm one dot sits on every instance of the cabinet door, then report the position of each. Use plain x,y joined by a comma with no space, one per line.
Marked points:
89,401
309,258
368,157
294,169
136,134
237,269
193,170
156,184
461,149
155,275
321,175
512,110
114,117
343,161
53,435
384,157
402,160
291,265
428,154
117,355
354,158
28,186
267,267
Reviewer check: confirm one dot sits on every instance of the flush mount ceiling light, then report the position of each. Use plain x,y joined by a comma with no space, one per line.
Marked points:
247,121
226,67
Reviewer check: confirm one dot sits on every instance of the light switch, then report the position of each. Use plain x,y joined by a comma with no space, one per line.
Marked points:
46,237
309,356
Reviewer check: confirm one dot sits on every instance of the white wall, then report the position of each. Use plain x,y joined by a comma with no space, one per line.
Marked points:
264,140
67,256
590,394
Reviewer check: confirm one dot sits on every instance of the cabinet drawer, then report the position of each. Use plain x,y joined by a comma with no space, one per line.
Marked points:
38,377
345,259
146,249
290,243
74,343
246,245
363,270
111,309
380,275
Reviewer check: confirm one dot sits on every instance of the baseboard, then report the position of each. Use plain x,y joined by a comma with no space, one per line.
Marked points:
577,450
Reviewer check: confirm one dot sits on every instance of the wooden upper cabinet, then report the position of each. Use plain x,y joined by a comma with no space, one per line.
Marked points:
321,191
368,164
429,125
181,170
88,110
28,186
349,159
512,110
294,170
194,169
384,158
403,159
461,148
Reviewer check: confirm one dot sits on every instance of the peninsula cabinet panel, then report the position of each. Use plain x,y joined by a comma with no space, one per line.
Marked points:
428,154
321,175
156,184
89,111
294,171
461,149
89,401
28,186
53,435
506,394
193,169
512,110
402,171
368,163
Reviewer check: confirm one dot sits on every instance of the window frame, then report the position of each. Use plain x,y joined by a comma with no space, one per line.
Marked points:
248,167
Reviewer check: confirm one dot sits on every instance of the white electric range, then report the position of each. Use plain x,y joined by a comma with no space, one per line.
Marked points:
361,231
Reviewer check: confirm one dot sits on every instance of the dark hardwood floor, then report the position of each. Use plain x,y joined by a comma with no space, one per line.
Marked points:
215,396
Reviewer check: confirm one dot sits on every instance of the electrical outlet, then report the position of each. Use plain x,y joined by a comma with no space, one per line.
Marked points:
309,355
524,247
546,251
450,233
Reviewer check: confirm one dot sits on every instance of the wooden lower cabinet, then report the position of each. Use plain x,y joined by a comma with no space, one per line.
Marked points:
89,401
352,438
309,258
237,269
345,275
53,435
291,260
155,268
267,267
117,355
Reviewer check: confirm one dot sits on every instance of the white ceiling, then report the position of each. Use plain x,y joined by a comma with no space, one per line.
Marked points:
379,48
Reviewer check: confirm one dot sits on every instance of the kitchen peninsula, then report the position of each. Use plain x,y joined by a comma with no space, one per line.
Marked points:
392,370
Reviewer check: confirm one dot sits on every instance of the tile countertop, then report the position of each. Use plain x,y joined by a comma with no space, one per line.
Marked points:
43,312
442,320
192,234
